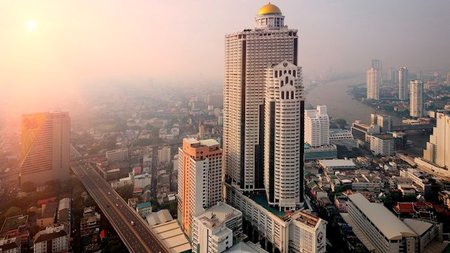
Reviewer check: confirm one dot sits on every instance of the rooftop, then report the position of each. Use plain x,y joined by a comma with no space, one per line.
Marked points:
159,217
269,9
14,222
420,227
49,233
172,235
218,215
382,218
337,163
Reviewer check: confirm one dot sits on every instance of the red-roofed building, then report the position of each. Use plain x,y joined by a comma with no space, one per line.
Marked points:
405,208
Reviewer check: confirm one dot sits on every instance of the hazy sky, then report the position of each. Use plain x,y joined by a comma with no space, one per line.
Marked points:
82,43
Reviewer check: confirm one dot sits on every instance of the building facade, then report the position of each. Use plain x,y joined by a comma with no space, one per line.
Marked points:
199,179
247,56
437,150
282,142
373,84
403,82
382,144
51,240
217,229
416,98
317,127
45,147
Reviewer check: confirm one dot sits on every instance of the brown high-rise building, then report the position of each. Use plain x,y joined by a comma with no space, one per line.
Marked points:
45,147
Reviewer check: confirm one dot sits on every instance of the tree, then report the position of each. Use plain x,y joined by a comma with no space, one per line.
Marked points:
342,123
125,191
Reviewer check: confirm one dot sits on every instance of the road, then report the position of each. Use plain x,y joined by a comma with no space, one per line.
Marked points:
137,237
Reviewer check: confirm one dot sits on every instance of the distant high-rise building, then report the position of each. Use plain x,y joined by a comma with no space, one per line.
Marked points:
45,147
247,56
317,126
416,98
384,121
448,79
199,179
403,82
394,76
282,124
373,84
437,150
378,65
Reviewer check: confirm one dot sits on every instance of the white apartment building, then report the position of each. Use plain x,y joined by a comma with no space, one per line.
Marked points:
373,84
282,231
117,155
216,229
416,98
403,82
382,144
199,179
164,155
382,228
307,233
340,134
317,127
247,56
282,143
10,245
52,239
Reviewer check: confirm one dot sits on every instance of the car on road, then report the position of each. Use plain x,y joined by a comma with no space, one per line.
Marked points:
132,223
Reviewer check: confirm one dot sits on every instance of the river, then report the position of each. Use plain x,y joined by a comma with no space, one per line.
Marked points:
340,104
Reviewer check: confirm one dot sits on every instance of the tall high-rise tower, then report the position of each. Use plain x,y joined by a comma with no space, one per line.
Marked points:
437,150
317,126
403,90
45,147
247,56
199,179
416,98
282,142
373,84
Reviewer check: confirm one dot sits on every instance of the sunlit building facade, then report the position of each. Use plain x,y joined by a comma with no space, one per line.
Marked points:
373,84
45,147
416,98
283,122
247,56
317,126
199,179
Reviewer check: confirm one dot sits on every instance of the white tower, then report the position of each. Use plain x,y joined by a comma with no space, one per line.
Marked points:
282,143
416,98
247,56
373,84
317,127
403,83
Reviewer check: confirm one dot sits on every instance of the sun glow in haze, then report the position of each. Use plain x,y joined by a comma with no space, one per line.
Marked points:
31,25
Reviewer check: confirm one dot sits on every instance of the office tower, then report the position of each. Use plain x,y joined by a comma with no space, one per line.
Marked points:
317,126
416,98
199,179
373,84
282,143
403,82
247,56
437,150
164,154
45,147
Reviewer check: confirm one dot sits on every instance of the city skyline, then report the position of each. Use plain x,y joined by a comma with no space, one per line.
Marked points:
52,48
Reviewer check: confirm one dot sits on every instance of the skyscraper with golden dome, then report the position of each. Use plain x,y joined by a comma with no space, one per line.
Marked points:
248,55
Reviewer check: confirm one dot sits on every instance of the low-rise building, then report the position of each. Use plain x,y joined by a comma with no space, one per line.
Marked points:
53,239
47,215
90,223
382,144
337,164
381,227
307,233
144,209
117,155
216,229
10,245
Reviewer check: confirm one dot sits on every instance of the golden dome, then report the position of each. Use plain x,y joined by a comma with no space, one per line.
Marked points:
269,9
